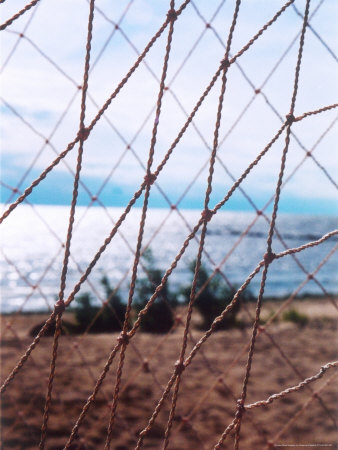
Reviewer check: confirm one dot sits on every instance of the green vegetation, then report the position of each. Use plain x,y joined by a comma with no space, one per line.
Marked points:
214,298
66,328
109,319
292,315
159,318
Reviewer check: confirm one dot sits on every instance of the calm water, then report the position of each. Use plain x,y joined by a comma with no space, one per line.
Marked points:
32,252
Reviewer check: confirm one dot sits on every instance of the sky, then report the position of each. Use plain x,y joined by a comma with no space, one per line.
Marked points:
40,100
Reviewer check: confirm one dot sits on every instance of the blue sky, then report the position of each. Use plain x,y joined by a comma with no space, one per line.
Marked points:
40,79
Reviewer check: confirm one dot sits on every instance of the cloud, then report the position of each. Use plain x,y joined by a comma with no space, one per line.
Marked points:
38,90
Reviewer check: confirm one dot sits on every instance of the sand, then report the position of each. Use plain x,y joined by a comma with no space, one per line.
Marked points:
208,390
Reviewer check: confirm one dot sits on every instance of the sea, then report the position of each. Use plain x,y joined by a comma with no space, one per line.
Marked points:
33,236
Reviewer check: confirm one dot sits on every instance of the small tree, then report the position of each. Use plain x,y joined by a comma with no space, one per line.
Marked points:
115,311
159,318
110,319
213,299
85,311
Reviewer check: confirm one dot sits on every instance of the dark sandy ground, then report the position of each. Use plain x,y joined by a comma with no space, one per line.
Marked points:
208,391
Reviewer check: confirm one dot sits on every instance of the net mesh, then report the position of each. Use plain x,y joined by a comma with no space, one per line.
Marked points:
107,387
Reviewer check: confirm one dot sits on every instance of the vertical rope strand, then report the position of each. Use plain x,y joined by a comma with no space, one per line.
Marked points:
269,256
207,216
60,305
149,178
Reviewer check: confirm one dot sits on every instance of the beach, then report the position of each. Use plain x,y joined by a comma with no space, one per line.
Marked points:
286,353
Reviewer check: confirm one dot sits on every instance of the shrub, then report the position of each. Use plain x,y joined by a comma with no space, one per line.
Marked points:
110,318
159,318
214,298
116,309
292,315
66,328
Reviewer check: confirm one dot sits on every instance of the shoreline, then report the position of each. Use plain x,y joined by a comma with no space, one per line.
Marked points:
309,310
268,299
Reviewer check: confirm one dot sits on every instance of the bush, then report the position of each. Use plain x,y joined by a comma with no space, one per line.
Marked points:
115,310
214,298
66,328
292,315
111,317
159,318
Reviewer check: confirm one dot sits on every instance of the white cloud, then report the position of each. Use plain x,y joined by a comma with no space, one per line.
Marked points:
40,92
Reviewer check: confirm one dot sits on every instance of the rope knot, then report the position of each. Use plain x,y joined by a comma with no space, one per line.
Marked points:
145,366
185,420
240,408
179,367
172,15
269,257
178,319
290,118
83,133
59,307
207,215
149,179
225,63
123,338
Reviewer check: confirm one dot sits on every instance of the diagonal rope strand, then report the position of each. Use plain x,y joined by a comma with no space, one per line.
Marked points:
18,14
102,110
